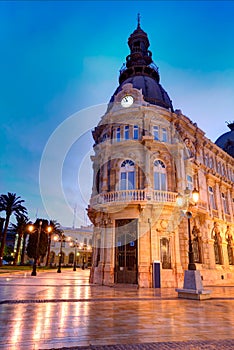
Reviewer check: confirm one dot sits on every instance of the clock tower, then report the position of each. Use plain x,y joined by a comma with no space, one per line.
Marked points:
132,190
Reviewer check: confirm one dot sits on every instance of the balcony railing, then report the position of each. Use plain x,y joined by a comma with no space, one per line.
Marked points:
129,196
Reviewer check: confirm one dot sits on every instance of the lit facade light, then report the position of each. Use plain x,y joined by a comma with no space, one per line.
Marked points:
195,196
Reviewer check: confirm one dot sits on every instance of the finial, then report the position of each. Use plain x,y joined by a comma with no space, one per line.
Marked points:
138,21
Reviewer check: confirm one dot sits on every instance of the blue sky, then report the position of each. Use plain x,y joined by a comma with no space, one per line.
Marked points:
61,57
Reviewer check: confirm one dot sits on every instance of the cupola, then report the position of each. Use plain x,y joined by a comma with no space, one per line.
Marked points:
226,141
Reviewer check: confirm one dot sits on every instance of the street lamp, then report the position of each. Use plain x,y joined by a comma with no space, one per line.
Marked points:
188,214
193,286
36,256
60,238
75,245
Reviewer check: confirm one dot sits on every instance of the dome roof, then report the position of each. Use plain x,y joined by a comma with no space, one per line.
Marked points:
141,72
152,91
226,141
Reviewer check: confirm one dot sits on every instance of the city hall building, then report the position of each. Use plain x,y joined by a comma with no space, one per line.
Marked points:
148,159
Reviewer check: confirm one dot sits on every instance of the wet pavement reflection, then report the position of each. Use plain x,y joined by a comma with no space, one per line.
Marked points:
62,310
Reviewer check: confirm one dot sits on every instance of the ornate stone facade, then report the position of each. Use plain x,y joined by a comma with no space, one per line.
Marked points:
145,154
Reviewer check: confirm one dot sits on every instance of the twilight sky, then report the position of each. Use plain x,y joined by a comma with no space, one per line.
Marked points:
60,63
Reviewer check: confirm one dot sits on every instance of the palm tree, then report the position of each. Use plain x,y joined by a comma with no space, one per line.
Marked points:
20,228
56,229
11,204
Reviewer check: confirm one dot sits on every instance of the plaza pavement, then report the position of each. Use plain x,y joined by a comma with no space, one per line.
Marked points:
54,311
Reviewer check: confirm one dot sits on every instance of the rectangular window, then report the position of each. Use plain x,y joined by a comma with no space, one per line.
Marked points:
135,132
164,134
156,181
126,132
156,133
190,182
131,180
211,197
104,138
118,134
225,206
163,182
123,182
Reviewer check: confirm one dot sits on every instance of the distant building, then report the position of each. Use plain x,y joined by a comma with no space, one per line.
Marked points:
77,241
146,154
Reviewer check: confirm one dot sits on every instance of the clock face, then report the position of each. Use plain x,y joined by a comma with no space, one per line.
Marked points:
127,101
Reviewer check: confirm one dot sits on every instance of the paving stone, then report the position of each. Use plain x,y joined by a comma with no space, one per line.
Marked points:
62,311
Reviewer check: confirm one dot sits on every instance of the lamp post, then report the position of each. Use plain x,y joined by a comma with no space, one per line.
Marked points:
74,244
60,238
36,256
188,214
193,286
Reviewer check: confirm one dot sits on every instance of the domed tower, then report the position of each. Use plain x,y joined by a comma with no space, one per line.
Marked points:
226,141
141,72
135,180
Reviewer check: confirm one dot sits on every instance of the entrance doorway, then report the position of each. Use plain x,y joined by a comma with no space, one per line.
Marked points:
126,251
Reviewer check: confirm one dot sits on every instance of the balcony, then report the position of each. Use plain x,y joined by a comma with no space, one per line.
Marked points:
134,196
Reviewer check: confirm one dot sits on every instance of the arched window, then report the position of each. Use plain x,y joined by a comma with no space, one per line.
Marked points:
71,258
160,178
127,175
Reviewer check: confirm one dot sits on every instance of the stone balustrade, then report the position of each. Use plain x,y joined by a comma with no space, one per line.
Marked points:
124,196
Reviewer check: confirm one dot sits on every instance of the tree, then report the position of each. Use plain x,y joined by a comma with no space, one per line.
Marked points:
20,228
56,229
33,239
11,204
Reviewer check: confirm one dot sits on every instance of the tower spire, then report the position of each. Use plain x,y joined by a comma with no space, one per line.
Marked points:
138,21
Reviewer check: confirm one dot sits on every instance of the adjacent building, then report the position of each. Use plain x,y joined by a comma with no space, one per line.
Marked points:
77,244
146,156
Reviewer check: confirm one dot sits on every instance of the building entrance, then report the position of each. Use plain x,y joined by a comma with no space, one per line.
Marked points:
126,251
